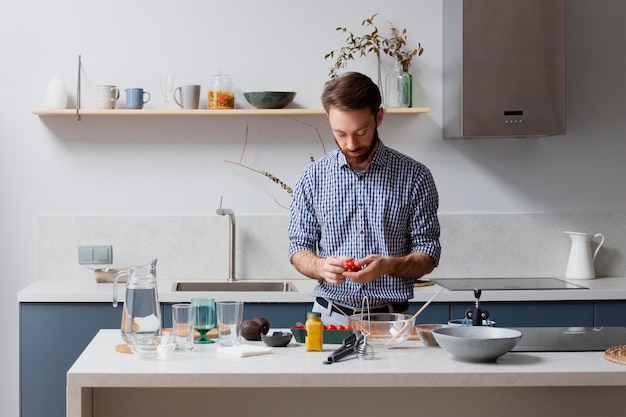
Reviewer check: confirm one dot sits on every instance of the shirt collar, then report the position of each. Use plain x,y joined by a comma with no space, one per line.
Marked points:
380,157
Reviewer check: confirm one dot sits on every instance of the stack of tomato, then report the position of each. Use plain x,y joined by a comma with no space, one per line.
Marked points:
325,327
333,334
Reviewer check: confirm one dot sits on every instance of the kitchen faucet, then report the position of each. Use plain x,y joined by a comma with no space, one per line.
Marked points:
231,259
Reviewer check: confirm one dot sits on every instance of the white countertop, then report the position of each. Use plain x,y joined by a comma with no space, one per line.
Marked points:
429,376
77,291
411,364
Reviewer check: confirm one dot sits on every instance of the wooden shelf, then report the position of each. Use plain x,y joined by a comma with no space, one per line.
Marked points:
204,112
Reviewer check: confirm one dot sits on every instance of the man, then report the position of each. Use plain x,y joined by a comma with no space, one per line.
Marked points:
362,204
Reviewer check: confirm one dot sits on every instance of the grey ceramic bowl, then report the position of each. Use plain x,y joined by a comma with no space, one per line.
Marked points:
476,343
269,99
276,339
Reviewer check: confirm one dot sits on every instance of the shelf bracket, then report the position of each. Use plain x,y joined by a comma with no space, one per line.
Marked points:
80,66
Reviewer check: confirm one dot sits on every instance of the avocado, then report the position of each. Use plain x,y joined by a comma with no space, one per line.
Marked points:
251,330
265,324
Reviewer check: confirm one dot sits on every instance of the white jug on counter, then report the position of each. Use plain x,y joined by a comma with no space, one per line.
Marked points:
580,263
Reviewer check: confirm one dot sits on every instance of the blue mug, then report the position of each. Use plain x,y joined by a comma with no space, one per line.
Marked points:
136,98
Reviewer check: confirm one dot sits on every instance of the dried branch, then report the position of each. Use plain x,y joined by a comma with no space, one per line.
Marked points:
317,131
265,173
269,175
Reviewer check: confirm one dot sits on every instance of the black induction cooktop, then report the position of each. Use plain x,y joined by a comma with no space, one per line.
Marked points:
468,284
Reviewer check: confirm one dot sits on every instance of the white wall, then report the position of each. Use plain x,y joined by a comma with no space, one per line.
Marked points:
174,166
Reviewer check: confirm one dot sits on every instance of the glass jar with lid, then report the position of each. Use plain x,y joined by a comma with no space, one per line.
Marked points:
221,95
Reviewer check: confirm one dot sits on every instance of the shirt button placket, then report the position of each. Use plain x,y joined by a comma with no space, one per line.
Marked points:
361,213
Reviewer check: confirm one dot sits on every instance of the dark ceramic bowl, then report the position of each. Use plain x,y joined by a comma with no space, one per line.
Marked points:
269,99
276,339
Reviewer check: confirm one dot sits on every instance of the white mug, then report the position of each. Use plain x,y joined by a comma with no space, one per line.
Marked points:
187,96
106,96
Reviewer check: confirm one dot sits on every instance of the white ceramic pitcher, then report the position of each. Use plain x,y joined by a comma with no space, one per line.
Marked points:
580,263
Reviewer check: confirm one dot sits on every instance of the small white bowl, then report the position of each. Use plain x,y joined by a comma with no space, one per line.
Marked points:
153,347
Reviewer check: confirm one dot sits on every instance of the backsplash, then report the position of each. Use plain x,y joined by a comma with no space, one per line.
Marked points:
196,247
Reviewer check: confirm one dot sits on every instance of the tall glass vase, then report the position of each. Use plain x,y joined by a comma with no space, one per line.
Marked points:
397,88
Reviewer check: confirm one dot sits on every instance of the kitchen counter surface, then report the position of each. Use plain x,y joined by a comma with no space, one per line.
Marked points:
76,291
408,367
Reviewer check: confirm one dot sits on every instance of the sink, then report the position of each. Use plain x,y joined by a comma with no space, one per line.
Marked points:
235,286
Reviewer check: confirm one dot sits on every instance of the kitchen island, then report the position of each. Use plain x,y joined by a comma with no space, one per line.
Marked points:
47,306
408,380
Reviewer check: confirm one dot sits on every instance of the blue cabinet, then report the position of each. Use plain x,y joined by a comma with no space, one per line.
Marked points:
52,336
610,313
534,314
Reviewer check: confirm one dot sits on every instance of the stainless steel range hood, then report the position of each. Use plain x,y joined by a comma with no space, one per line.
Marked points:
503,68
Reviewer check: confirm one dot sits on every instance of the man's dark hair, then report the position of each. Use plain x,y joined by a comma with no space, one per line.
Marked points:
351,91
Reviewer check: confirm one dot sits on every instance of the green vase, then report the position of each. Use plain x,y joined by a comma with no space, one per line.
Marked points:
397,88
410,89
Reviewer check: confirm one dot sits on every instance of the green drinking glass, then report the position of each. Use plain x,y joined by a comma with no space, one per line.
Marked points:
204,318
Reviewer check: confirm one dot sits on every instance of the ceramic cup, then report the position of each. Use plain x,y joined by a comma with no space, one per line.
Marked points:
107,96
136,98
187,96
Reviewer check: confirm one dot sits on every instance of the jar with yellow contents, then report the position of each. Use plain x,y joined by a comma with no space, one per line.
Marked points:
314,332
221,95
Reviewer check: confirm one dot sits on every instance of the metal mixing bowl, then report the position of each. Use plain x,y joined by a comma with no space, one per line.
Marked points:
388,329
476,343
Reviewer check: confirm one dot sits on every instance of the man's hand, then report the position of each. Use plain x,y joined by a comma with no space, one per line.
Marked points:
413,265
322,269
372,267
333,268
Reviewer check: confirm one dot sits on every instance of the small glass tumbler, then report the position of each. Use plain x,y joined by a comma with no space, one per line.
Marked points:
183,316
229,319
167,89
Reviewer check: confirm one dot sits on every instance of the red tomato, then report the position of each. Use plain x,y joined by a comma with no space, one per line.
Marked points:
331,327
351,266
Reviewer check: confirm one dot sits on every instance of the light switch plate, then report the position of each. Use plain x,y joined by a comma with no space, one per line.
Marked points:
95,254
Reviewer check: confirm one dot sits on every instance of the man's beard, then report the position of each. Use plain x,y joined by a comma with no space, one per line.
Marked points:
357,160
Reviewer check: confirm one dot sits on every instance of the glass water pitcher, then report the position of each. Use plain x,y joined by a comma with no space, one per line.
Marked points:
141,315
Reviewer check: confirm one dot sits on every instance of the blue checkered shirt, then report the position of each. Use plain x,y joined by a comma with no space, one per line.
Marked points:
389,210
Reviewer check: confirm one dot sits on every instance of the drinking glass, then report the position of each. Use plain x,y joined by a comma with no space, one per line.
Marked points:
229,320
183,324
205,317
167,89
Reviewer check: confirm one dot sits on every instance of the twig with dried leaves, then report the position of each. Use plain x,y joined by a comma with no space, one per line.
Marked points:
267,174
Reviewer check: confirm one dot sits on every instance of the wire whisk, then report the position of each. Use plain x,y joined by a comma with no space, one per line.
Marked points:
364,350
